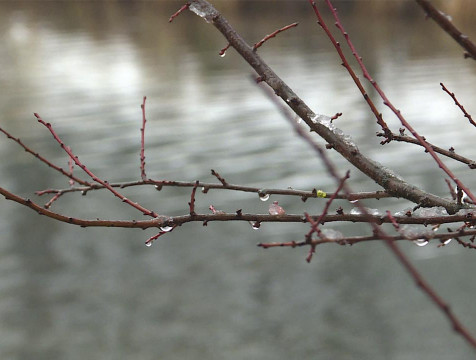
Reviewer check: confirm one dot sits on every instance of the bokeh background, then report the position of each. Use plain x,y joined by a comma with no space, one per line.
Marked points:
209,292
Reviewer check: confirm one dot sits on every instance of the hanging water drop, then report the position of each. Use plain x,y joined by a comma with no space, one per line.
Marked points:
255,225
446,242
223,54
263,196
275,209
148,243
420,242
353,201
166,228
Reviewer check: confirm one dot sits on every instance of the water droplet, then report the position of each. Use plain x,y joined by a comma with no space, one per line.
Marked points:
166,228
420,242
263,196
355,211
223,54
353,201
255,225
158,187
446,242
416,232
299,120
148,243
205,189
275,209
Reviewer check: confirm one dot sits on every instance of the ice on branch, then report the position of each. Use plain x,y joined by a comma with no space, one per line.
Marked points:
331,234
359,211
201,11
416,232
431,212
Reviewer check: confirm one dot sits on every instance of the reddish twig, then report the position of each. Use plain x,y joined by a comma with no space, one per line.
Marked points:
142,143
44,160
71,168
445,23
192,199
52,200
273,34
382,235
386,101
217,175
448,153
94,177
466,115
451,189
179,11
222,52
150,240
357,82
379,194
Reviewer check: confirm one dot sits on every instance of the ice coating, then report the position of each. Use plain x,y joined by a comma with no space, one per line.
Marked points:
431,212
416,232
198,9
331,234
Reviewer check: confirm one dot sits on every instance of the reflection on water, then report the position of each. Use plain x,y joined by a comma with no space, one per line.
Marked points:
209,292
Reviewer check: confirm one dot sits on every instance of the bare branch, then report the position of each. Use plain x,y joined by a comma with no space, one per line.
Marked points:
447,25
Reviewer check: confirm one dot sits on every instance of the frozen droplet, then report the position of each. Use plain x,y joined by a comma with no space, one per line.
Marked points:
323,120
166,228
275,209
448,17
466,212
263,196
431,212
255,225
198,9
331,234
416,232
420,242
403,212
359,211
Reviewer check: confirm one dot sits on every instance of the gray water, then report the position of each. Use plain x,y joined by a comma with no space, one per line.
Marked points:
209,292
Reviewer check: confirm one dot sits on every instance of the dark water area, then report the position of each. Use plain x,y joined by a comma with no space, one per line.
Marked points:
209,292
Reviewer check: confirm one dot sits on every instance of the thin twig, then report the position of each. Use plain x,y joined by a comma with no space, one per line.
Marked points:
448,153
273,34
142,209
386,101
142,142
44,160
179,11
466,115
217,175
192,199
446,24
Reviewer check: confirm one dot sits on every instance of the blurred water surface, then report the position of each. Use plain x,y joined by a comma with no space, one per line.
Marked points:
208,292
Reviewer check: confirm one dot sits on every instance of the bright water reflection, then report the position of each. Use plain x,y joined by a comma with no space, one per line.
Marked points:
209,292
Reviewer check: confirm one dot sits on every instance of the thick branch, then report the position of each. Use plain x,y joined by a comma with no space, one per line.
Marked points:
392,183
445,23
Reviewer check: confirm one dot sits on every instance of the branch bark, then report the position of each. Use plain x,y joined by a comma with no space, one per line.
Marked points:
392,183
